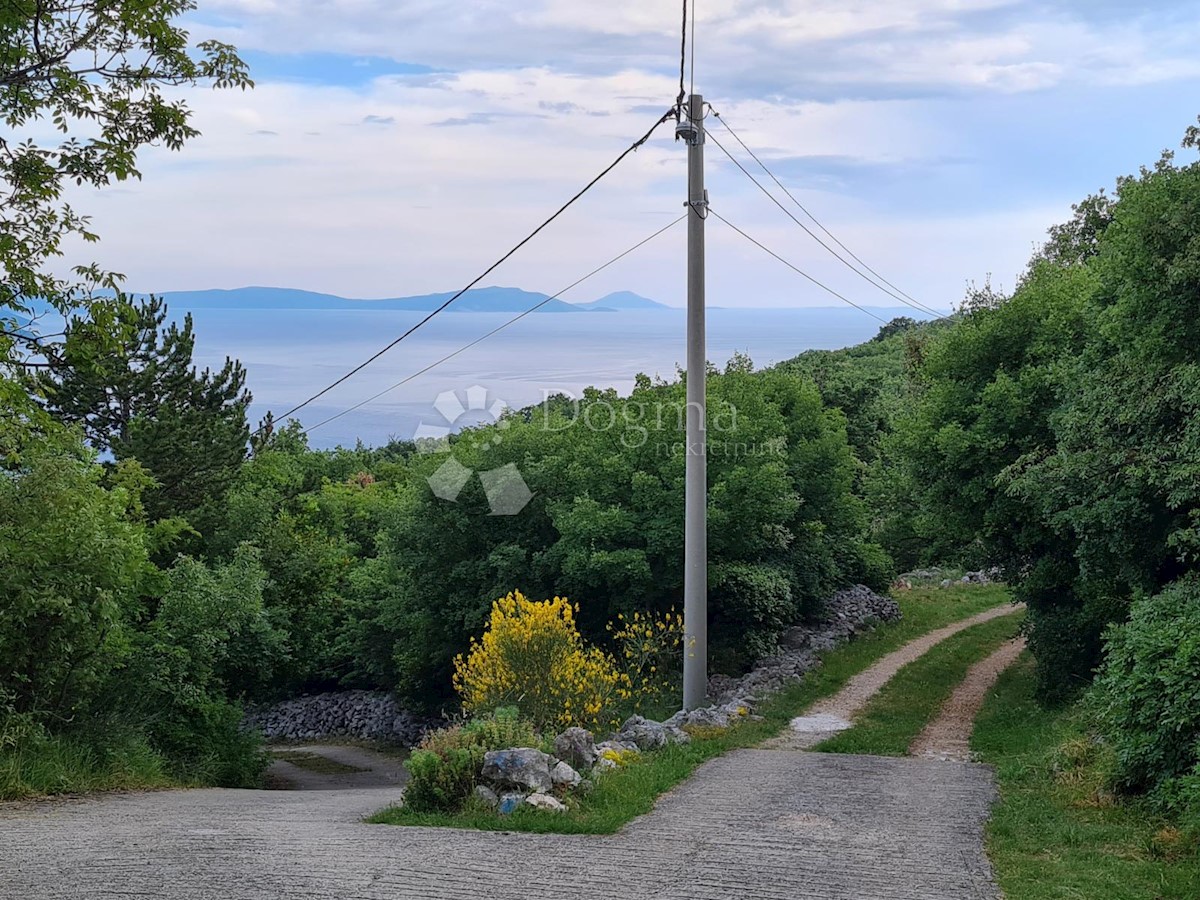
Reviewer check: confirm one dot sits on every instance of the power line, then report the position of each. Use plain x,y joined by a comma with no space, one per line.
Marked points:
499,328
682,63
670,114
693,46
805,210
794,268
901,298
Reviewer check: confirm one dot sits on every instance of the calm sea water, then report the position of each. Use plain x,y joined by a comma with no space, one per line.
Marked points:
292,354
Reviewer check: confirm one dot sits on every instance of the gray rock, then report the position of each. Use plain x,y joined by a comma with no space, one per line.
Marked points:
510,801
545,803
577,747
676,735
487,795
847,613
643,733
562,775
367,715
521,767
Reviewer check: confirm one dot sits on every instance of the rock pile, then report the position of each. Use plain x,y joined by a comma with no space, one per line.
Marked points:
367,715
847,613
945,578
527,776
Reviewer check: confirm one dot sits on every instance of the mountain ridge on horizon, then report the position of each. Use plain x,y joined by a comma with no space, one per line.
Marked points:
487,299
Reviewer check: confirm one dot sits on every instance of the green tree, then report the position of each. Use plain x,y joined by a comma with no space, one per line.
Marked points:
71,570
96,70
142,398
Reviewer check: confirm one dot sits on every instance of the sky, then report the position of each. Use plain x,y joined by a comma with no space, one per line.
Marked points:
398,147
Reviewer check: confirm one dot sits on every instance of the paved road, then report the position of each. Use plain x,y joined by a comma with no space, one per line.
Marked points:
368,768
762,824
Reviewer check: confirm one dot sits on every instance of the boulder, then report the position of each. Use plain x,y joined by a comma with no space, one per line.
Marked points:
487,795
562,775
510,801
576,747
521,767
545,803
643,733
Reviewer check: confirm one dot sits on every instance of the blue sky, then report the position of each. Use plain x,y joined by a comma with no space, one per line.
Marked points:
395,148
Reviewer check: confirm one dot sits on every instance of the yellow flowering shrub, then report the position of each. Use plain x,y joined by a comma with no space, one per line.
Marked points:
649,649
532,656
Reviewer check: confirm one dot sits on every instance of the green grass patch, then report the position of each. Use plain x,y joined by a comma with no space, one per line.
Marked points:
624,794
898,713
1057,833
315,762
41,765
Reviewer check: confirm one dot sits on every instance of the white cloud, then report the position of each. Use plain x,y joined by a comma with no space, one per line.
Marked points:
405,184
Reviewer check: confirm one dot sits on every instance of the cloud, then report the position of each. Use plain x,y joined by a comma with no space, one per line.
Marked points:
938,138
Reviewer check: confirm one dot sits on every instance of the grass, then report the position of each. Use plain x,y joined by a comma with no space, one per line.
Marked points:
898,713
314,762
623,795
1056,833
44,765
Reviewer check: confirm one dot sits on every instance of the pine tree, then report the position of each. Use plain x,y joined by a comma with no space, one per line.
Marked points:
145,400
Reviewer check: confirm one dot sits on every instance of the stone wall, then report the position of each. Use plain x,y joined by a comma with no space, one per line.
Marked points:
847,613
374,716
366,715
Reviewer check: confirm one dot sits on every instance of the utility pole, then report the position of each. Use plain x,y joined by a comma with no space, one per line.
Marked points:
695,568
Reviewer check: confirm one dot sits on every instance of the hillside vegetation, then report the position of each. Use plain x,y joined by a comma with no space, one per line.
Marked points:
162,564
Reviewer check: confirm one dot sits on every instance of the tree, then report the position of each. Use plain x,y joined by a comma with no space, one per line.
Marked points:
142,398
96,70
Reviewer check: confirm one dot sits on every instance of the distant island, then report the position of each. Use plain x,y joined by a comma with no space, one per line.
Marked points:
488,299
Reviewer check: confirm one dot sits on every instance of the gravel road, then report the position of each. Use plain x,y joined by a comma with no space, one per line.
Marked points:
827,717
948,736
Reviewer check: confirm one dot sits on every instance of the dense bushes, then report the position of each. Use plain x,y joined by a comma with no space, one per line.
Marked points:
1056,433
1149,694
115,670
604,523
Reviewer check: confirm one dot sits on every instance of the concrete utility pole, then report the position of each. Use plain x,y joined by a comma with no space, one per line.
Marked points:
695,571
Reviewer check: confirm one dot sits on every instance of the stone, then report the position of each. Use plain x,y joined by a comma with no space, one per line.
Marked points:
510,801
521,767
643,733
546,803
819,723
848,612
562,775
676,735
368,715
576,747
487,795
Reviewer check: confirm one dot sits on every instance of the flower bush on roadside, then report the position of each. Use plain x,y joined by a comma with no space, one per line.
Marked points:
650,650
532,657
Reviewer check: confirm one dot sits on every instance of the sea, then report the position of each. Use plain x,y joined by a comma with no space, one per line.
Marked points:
290,355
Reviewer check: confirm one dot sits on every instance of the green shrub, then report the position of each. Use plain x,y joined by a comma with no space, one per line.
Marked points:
442,780
503,729
1149,693
445,767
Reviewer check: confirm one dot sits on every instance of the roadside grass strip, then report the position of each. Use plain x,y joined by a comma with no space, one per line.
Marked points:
631,791
896,715
1057,832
